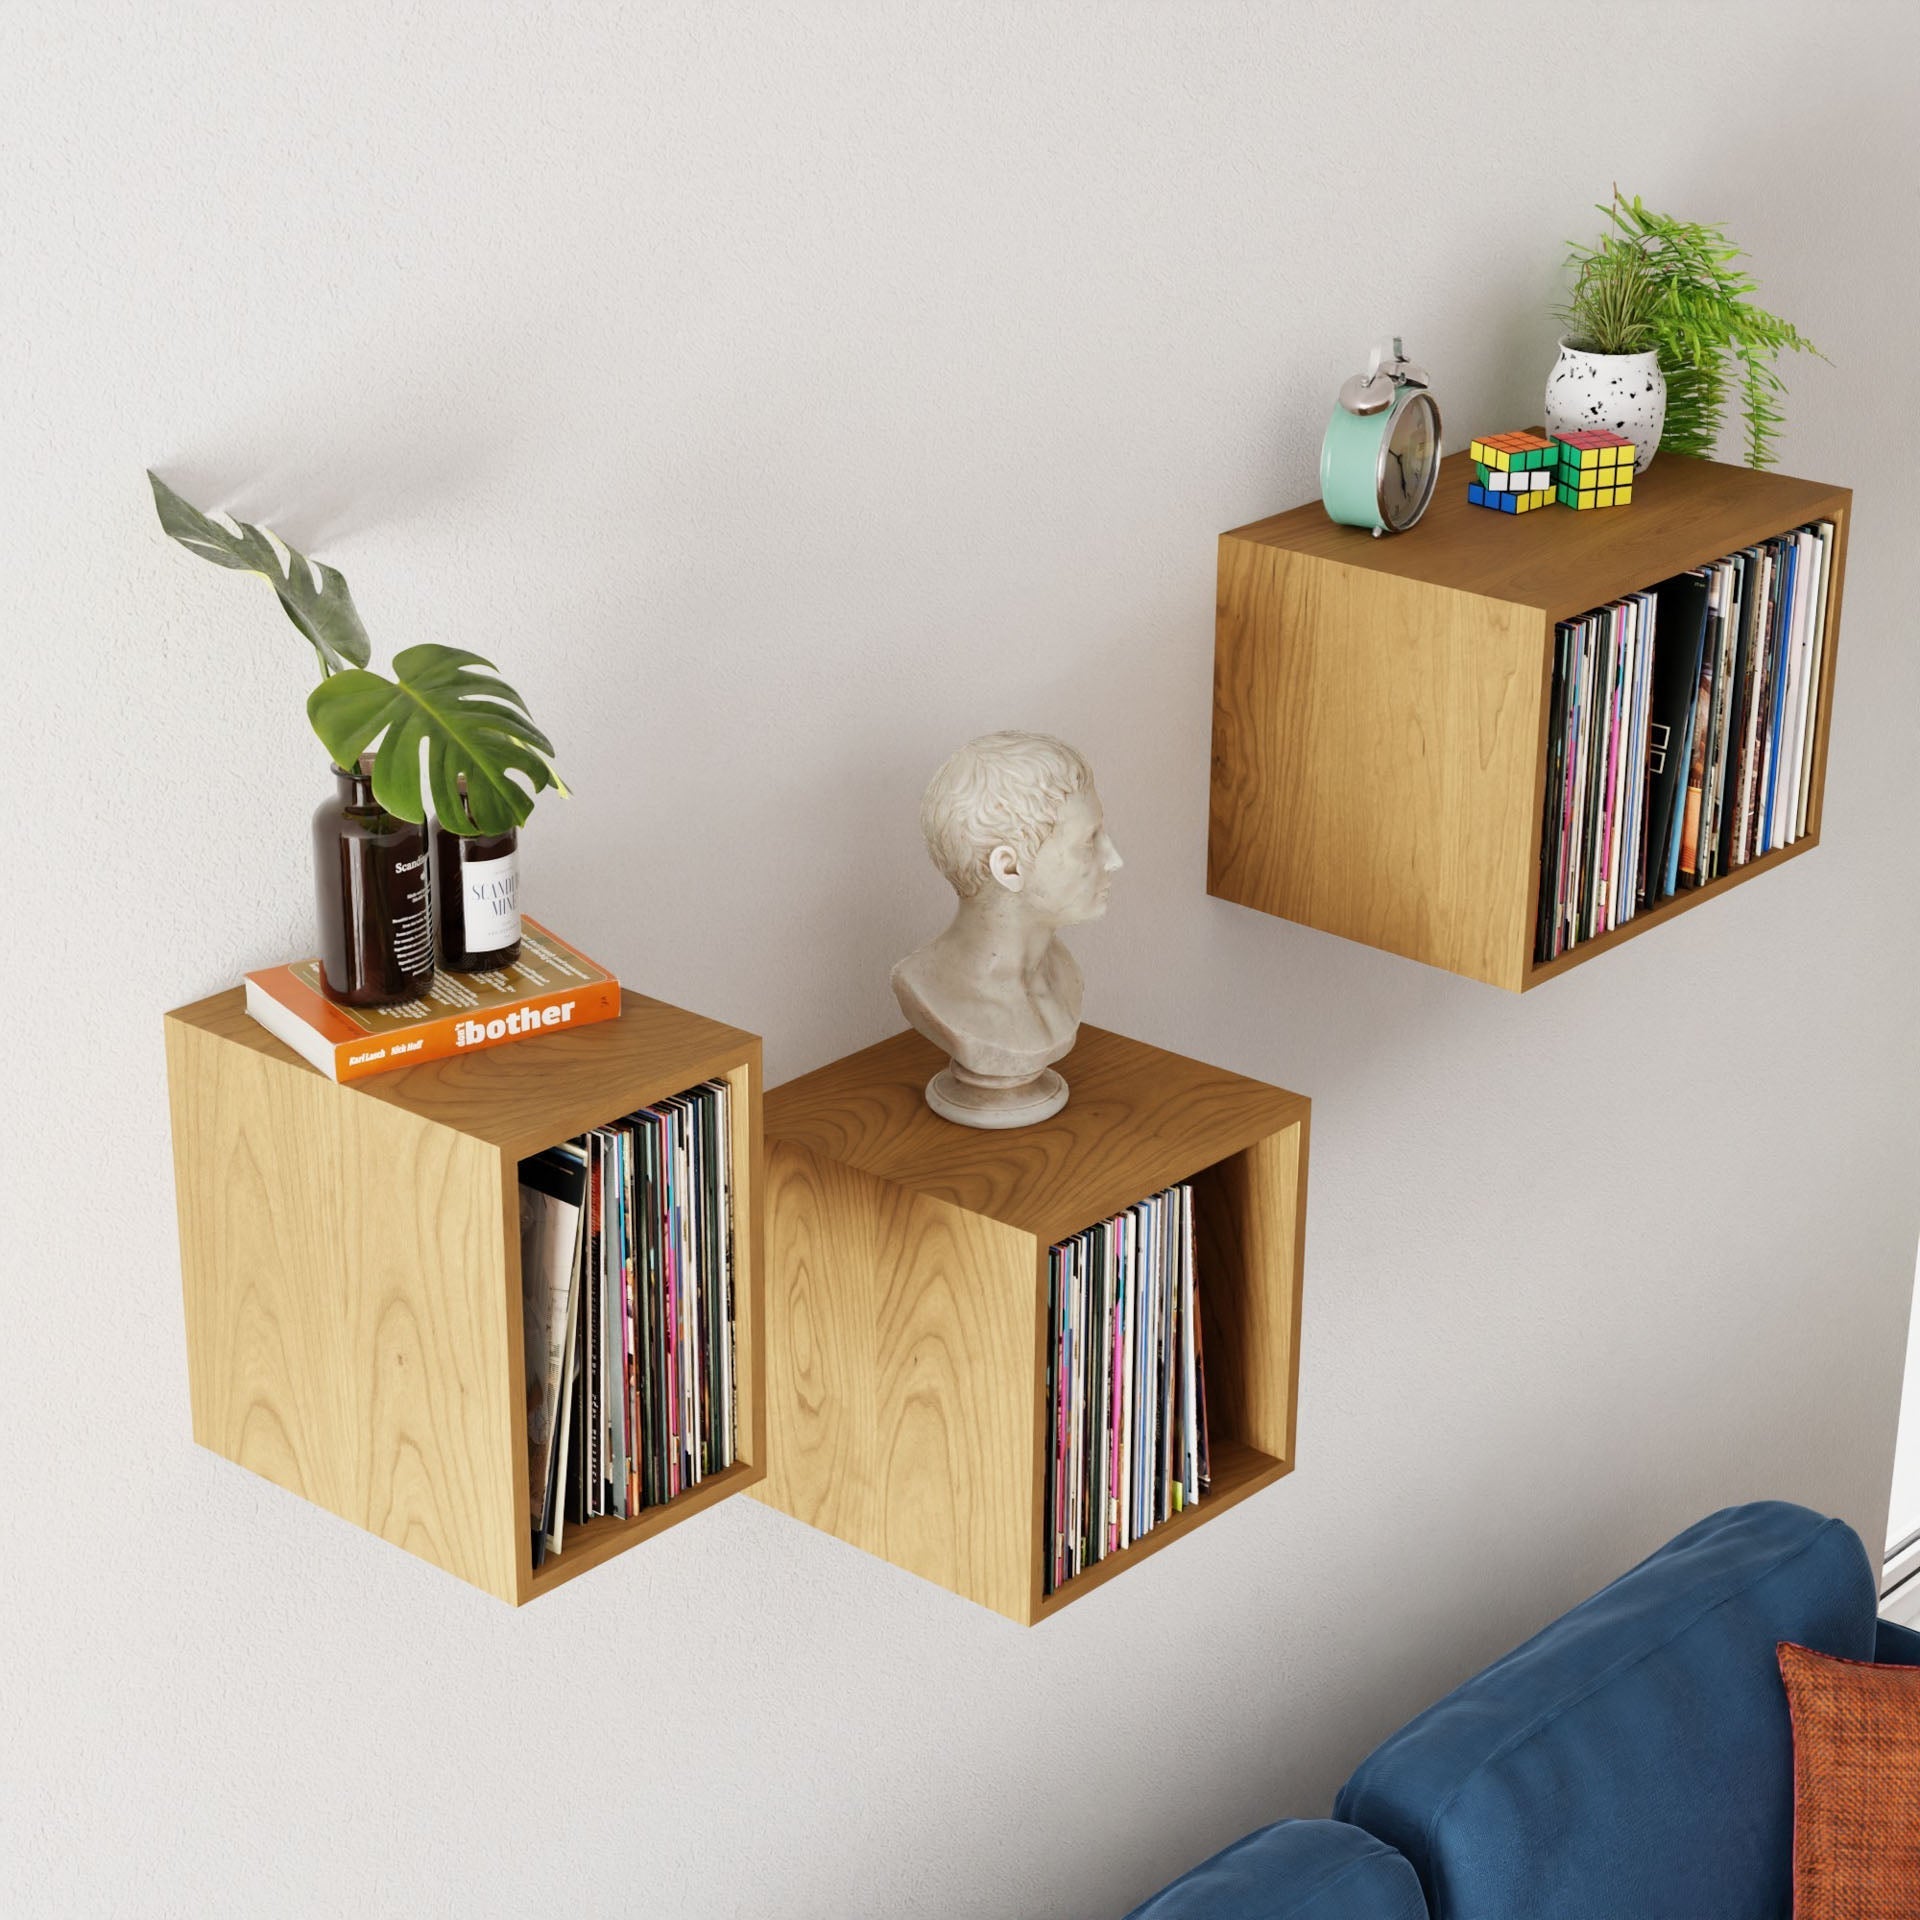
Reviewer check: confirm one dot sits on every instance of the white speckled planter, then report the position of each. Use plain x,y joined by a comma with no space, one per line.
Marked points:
1624,393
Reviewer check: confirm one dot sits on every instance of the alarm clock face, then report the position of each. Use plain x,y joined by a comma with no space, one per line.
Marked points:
1410,461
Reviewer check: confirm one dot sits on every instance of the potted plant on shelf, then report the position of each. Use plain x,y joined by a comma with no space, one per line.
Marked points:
485,762
1661,329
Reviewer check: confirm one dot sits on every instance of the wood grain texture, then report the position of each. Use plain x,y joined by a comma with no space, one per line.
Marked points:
351,1270
524,1097
1684,513
1380,706
346,1325
907,1296
1375,745
1137,1118
901,1411
1248,1215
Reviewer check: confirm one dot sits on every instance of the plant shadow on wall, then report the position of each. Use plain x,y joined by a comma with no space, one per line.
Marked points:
388,429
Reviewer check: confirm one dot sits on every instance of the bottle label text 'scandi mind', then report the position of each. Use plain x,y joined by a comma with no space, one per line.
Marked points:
492,903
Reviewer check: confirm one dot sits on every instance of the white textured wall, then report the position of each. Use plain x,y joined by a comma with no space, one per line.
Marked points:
783,394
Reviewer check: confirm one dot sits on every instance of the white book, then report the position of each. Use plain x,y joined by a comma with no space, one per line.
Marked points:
549,1223
563,1439
1816,668
552,1206
1787,777
1808,708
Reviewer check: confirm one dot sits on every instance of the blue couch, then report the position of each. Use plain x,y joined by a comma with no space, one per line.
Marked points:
1632,1762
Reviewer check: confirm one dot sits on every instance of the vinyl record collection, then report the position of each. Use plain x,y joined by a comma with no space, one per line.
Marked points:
1682,734
626,1263
1126,1381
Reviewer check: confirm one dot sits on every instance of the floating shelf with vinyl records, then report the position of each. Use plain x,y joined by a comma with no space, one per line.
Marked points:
1504,744
358,1262
920,1304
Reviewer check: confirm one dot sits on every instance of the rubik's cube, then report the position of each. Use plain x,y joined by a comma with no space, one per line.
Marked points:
1596,469
1514,453
1513,472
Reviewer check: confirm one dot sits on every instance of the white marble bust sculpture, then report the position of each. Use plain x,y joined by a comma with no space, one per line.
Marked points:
1014,823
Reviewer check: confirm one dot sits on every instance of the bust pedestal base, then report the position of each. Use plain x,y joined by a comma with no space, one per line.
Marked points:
995,1100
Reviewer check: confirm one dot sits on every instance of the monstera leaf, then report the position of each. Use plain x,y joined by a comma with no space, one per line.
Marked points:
472,724
315,597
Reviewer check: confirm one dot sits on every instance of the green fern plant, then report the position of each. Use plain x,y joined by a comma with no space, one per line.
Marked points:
1615,295
472,725
1654,283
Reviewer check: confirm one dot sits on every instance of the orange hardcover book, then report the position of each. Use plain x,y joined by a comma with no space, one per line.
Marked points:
550,988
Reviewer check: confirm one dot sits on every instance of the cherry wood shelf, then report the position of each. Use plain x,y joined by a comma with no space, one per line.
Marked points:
350,1260
907,1335
1380,707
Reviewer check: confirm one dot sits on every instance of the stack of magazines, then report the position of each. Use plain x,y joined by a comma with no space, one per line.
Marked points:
626,1269
1682,734
1127,1385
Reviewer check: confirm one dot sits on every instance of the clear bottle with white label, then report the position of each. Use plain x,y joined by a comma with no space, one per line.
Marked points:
477,884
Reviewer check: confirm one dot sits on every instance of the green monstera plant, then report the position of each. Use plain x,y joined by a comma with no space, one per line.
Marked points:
472,725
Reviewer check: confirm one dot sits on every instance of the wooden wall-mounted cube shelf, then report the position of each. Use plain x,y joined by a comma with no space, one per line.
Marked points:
907,1335
351,1263
1380,707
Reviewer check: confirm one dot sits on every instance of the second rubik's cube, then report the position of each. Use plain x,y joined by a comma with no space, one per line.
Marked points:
1513,472
1596,469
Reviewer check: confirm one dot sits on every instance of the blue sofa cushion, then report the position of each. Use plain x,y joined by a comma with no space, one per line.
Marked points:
1295,1870
1895,1645
1635,1758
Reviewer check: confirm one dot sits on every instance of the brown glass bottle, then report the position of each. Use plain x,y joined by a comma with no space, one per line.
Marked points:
476,884
372,889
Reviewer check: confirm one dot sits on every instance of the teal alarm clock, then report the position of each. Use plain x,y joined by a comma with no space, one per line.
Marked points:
1381,455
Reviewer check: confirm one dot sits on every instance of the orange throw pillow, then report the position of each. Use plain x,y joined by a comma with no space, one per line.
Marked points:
1856,1786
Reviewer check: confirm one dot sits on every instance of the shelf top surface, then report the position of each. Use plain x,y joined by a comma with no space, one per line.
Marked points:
534,1092
1137,1119
1683,513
